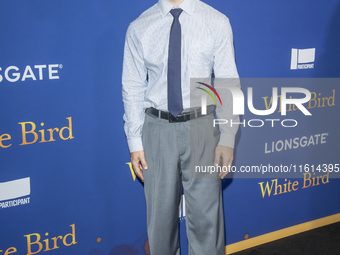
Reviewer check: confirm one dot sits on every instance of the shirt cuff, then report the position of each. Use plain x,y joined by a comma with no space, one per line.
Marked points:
135,145
227,140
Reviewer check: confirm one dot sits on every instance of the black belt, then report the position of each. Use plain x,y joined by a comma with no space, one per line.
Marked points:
184,116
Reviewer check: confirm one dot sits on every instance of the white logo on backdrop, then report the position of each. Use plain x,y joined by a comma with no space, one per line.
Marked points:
41,72
11,193
302,59
182,208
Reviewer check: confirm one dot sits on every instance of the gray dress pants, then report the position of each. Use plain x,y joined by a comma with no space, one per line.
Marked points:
172,151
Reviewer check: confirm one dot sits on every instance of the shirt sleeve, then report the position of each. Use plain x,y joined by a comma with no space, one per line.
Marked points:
226,73
134,80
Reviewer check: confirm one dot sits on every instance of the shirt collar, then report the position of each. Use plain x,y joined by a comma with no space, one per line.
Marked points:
187,5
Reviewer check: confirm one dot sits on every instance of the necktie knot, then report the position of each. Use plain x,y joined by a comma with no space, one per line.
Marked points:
176,12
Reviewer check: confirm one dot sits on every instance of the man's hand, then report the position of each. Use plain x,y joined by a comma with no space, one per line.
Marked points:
138,163
227,155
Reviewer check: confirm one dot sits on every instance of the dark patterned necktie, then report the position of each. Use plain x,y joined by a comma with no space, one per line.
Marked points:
175,105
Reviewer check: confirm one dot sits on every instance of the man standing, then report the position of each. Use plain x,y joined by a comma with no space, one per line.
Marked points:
168,44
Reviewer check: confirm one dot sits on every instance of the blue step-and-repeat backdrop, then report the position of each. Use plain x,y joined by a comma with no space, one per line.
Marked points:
66,186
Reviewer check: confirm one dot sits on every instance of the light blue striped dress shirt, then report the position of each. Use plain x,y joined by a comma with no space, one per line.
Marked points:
207,45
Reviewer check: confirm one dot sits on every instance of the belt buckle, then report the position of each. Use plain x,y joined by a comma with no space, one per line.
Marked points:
171,118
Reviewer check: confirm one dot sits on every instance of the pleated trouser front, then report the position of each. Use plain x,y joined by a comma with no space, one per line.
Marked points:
172,151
